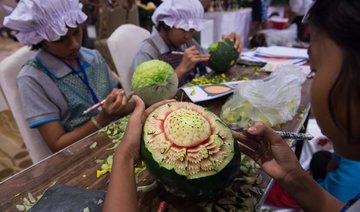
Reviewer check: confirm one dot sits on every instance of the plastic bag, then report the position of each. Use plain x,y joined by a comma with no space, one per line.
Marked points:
273,100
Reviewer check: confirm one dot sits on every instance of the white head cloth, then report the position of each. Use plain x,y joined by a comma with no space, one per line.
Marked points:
183,14
38,20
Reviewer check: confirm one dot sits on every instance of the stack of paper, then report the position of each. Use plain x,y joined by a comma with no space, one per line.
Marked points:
282,52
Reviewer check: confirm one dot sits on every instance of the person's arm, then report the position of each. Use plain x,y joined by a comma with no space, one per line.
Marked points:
57,138
309,194
121,194
277,159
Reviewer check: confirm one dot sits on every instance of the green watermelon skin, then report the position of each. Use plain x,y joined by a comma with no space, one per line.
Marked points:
195,189
223,56
154,80
201,186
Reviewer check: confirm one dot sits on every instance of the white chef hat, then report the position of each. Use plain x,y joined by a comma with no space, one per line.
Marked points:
183,14
38,20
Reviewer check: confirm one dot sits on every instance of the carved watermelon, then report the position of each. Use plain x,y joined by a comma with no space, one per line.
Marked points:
154,80
189,150
223,56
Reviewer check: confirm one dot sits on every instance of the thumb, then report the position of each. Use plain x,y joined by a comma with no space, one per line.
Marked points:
256,132
139,106
257,129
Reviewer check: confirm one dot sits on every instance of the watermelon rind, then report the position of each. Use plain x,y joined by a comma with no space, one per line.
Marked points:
154,80
188,183
223,56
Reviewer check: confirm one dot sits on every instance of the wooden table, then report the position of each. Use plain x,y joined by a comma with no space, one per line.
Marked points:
76,166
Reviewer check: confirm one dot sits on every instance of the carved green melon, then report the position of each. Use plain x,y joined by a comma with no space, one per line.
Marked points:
223,56
154,80
189,149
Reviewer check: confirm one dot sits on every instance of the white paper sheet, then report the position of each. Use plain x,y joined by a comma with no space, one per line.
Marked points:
280,51
198,94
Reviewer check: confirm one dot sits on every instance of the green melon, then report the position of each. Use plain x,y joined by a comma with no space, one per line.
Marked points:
223,56
154,80
189,150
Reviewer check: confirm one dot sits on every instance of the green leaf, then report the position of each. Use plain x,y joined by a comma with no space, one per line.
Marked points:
31,198
99,161
93,145
26,201
109,160
100,201
20,207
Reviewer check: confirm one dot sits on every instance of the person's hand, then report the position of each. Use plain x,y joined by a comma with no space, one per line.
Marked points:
236,38
269,150
130,146
115,102
191,57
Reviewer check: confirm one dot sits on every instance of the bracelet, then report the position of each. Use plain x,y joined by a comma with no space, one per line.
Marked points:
95,123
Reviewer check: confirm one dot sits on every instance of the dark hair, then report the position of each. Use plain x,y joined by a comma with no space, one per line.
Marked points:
340,20
257,40
162,26
36,46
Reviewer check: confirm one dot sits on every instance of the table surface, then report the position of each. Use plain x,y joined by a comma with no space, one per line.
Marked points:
76,165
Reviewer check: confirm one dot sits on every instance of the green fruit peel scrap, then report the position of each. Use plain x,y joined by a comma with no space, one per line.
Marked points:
153,72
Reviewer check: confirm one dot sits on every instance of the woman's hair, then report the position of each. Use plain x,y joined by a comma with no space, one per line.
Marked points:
162,26
36,46
258,40
340,20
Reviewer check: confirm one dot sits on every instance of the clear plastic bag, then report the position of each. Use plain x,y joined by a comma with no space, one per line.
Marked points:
273,100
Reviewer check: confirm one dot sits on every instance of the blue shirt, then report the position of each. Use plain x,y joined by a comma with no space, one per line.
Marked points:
344,182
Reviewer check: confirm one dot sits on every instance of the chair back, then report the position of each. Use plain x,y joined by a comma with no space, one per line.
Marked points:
9,69
124,43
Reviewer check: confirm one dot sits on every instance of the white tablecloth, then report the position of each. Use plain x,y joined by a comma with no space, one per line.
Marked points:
225,22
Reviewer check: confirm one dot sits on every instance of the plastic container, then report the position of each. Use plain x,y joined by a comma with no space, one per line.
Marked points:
278,23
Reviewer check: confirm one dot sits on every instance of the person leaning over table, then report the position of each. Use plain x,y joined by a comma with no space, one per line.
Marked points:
175,24
63,79
335,29
335,98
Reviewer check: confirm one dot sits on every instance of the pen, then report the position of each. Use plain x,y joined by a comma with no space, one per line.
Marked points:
177,52
95,106
286,135
295,136
162,206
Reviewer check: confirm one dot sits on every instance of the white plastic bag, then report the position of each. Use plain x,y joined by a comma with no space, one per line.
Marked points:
273,100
